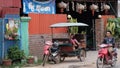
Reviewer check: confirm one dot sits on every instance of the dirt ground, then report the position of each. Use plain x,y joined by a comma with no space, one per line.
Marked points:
73,62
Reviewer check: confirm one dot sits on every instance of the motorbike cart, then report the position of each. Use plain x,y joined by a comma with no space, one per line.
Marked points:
66,49
104,57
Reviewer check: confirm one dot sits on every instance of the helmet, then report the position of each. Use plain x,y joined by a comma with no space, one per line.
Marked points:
48,43
55,44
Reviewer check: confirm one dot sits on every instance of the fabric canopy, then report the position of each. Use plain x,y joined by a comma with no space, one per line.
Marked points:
67,24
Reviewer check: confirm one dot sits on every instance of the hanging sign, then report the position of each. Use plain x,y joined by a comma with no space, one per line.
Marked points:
39,6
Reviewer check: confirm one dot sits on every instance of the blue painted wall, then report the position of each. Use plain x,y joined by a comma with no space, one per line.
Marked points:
9,43
4,43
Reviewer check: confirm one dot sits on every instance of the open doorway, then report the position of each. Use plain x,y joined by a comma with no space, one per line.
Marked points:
87,17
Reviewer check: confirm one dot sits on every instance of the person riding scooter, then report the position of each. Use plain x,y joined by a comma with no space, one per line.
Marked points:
109,40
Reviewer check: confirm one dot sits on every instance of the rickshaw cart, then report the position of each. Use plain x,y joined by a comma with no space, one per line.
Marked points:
66,49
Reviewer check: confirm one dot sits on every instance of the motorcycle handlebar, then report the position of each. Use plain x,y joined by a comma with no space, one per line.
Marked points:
104,45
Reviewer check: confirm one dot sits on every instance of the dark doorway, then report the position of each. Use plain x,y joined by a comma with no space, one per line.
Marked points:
87,17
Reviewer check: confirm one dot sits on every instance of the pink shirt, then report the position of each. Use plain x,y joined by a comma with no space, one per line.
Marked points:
73,41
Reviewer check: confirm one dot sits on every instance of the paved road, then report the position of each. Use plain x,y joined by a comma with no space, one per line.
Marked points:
73,62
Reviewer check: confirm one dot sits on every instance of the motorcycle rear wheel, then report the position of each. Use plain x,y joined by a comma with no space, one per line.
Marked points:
62,58
57,58
114,59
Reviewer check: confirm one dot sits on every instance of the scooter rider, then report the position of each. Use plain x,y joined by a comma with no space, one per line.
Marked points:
110,41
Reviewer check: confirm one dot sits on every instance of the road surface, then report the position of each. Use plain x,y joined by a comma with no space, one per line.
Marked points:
73,62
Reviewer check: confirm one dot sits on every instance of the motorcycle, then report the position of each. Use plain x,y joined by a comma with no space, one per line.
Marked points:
51,53
104,57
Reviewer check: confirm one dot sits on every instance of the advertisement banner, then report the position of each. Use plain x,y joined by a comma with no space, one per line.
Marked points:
39,6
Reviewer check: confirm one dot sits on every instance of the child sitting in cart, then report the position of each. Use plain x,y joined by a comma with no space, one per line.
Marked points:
74,41
82,44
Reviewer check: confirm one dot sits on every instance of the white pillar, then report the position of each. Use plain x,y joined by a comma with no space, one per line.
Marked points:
118,8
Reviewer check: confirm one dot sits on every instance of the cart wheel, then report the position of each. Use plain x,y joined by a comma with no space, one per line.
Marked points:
45,57
57,59
82,55
100,62
62,58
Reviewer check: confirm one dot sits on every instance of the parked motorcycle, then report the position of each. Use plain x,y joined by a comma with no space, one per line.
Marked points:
51,53
104,57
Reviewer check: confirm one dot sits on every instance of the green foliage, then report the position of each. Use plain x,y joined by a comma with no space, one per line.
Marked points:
28,57
11,34
6,57
8,32
39,61
14,53
15,30
114,26
73,30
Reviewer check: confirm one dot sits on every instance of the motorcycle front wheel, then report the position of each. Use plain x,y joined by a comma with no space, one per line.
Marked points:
100,62
45,58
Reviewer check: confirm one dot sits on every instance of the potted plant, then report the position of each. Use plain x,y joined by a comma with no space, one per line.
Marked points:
15,54
30,59
7,61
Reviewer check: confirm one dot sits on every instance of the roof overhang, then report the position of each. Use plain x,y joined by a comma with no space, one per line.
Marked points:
93,0
67,25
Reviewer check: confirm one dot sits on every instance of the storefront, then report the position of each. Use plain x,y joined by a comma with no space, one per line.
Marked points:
88,11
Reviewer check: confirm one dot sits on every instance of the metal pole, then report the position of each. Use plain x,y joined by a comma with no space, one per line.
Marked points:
93,34
52,32
94,45
3,52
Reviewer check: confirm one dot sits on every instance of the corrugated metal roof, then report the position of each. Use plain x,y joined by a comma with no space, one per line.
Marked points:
40,23
10,11
10,3
16,3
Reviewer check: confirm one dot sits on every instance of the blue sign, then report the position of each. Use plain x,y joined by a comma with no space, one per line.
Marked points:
39,6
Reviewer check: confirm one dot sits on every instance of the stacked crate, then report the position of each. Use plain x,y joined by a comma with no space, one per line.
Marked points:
9,7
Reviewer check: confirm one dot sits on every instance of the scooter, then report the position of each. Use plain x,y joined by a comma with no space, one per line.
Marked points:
104,57
51,53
